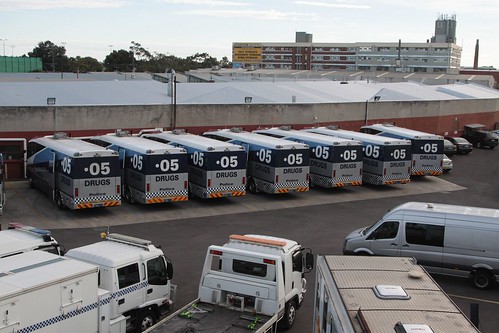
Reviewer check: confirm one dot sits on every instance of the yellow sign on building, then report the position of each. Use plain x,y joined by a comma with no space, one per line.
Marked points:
247,55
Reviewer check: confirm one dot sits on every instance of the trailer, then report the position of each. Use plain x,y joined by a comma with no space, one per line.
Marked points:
274,165
334,161
151,172
382,294
386,161
252,283
42,292
2,185
74,173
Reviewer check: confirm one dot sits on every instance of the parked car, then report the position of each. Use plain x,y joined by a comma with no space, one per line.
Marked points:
462,145
449,147
479,136
447,164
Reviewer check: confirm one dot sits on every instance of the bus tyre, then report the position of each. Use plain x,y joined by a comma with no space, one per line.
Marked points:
252,186
128,194
289,315
482,279
58,200
146,319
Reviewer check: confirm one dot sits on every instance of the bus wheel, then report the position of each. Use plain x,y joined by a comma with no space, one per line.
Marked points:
252,186
483,279
58,200
128,194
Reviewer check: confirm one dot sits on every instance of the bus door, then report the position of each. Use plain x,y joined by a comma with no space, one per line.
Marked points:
52,177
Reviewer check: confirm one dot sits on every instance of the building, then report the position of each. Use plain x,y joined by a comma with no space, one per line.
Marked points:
440,55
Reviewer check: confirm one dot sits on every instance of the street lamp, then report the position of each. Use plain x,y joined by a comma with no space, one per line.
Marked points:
375,98
3,40
12,47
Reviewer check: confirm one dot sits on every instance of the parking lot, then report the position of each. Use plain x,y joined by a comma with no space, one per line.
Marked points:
318,219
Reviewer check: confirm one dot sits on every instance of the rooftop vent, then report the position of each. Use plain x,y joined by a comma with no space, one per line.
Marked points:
384,291
412,328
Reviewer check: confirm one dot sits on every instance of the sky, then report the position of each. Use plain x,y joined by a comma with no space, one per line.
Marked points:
184,27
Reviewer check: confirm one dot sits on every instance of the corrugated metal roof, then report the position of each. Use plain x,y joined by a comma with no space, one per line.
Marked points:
149,92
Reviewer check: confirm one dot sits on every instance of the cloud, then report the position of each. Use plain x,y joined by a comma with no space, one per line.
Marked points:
339,4
271,14
12,5
205,2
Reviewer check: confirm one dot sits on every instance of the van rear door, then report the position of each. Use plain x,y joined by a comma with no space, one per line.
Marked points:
423,241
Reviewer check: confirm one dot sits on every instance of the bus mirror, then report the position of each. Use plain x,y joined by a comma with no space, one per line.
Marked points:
169,269
309,261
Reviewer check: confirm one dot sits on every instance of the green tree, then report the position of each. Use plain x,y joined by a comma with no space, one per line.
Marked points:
53,56
201,60
86,64
120,60
225,63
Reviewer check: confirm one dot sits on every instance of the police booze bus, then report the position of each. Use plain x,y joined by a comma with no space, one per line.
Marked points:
427,149
385,160
274,165
152,172
75,173
216,169
334,162
2,185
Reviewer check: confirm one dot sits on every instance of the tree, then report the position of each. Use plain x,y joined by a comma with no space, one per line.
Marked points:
201,60
120,60
53,57
82,65
225,63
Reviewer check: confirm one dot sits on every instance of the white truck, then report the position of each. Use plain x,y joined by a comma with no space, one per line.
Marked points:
381,294
20,238
252,283
137,275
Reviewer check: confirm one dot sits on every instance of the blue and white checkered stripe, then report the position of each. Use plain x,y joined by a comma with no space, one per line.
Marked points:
210,190
83,310
166,194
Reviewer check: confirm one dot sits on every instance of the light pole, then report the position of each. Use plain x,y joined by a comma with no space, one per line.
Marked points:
3,40
12,47
375,98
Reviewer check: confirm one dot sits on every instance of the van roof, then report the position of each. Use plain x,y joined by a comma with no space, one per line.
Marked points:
449,209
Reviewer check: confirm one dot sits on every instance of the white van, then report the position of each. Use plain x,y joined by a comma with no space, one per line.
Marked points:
446,239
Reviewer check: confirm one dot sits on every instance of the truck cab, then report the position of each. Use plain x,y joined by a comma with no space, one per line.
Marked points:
257,274
137,274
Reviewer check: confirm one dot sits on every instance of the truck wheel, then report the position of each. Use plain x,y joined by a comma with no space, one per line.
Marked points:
483,279
252,186
146,319
289,315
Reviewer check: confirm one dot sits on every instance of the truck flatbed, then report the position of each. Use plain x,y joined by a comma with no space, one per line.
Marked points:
210,318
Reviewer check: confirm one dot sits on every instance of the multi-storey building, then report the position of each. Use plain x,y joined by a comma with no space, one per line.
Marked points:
440,55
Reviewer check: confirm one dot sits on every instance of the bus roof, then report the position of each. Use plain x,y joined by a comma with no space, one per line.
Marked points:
364,137
195,141
402,131
73,147
140,145
257,139
309,136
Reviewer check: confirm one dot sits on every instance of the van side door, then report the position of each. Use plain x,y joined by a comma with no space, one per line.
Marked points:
384,240
425,242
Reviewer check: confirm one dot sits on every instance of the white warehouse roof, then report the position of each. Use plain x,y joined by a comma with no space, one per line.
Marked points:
149,92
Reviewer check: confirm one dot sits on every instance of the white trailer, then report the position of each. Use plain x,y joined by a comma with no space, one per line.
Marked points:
252,283
2,185
42,292
381,294
137,275
20,238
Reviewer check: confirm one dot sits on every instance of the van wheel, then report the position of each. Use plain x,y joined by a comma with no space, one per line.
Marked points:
146,319
289,315
483,279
